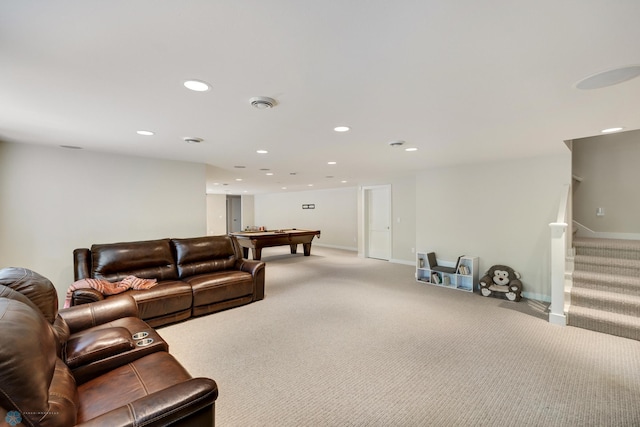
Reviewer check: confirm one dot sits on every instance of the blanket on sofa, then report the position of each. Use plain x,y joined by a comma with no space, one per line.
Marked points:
109,288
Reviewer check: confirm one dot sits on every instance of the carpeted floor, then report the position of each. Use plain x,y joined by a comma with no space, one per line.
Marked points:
345,341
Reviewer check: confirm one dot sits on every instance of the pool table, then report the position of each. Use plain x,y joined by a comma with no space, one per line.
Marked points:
256,240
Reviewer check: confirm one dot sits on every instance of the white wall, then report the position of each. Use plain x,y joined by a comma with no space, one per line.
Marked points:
248,211
54,200
338,214
608,165
403,220
216,214
499,212
335,214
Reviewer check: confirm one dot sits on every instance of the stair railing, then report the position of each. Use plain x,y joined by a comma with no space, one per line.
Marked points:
559,242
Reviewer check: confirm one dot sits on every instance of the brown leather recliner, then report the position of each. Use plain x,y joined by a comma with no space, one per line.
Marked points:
122,385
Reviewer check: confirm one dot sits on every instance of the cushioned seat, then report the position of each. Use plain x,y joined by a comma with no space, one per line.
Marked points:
85,365
133,394
210,289
167,302
196,276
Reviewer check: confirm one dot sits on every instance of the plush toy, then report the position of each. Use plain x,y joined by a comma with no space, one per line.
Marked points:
502,279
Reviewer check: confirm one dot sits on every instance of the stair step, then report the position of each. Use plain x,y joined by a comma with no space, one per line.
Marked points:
618,266
606,301
605,292
608,248
606,282
605,322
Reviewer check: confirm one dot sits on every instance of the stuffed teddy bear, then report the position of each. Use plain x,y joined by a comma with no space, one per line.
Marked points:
502,279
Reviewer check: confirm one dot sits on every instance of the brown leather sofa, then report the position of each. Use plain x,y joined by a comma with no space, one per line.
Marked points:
82,365
196,276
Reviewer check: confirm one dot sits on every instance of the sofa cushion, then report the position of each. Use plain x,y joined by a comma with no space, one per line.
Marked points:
166,297
150,259
207,254
220,286
129,383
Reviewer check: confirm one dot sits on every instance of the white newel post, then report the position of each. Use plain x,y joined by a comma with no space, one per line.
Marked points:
558,255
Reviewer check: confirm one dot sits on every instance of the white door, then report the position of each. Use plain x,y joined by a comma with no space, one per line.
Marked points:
378,218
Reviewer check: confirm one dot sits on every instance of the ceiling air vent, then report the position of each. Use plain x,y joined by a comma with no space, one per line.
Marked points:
262,102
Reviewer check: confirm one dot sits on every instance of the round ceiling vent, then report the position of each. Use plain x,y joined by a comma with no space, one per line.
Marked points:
191,140
609,77
262,102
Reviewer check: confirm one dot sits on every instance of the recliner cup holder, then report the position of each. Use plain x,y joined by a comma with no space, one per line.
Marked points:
143,342
140,335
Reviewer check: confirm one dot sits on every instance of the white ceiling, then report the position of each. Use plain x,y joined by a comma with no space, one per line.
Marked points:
461,80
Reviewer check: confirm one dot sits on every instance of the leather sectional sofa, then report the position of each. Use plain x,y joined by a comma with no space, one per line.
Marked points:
196,276
96,364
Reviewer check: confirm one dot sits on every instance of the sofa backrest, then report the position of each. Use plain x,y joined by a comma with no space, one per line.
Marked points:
149,259
199,255
37,288
33,380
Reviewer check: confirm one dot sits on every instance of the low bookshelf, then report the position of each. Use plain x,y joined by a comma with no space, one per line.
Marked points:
461,275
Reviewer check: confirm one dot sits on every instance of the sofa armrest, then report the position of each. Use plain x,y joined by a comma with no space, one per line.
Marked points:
80,317
256,268
250,266
174,404
85,296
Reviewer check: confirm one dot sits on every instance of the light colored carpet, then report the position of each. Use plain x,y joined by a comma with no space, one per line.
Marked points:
345,341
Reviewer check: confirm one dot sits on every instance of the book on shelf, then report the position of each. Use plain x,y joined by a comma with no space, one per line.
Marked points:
463,269
435,278
446,280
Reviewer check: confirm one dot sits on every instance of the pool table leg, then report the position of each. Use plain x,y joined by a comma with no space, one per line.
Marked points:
294,248
307,248
257,253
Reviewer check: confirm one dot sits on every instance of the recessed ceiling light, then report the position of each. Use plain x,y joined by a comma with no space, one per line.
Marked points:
238,179
411,149
269,173
197,85
344,182
611,130
144,132
309,185
261,151
609,77
341,128
284,188
331,163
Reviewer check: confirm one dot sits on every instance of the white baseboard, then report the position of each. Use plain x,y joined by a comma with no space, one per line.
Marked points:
402,261
537,297
344,248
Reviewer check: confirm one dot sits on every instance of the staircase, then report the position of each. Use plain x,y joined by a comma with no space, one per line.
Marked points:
605,296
